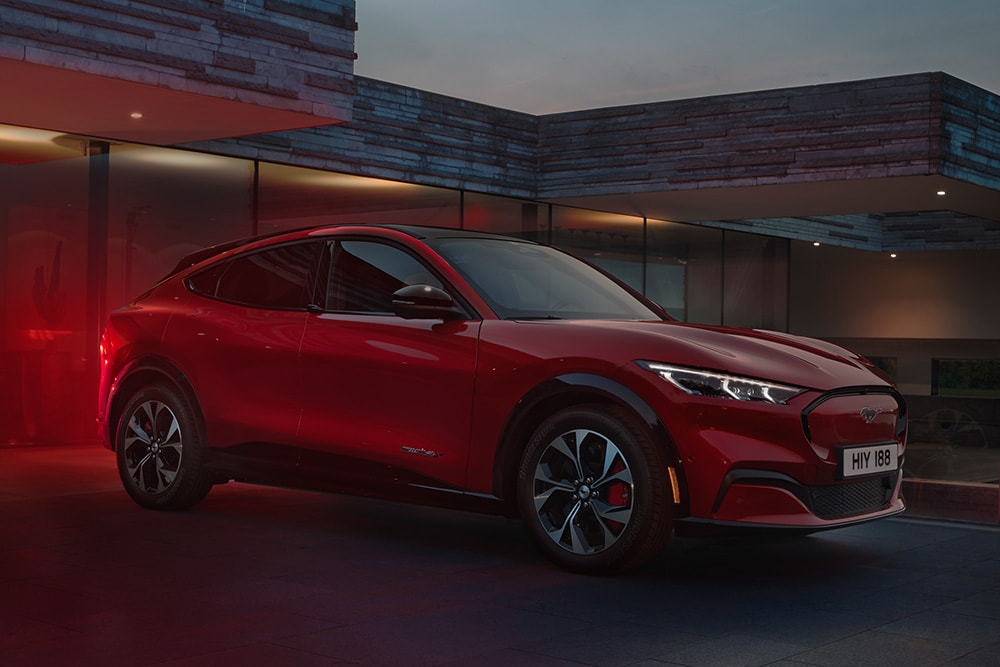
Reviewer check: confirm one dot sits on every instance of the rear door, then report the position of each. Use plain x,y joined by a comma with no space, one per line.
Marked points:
240,344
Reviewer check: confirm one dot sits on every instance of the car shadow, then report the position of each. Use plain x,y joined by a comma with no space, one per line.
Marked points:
383,530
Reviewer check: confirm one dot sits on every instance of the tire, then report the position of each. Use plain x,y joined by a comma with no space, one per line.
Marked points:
159,444
593,491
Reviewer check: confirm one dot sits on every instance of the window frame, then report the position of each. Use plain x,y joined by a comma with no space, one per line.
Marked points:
223,267
322,295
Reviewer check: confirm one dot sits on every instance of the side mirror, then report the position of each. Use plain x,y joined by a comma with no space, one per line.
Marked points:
423,302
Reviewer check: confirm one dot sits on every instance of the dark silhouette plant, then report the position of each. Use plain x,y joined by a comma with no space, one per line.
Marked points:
50,301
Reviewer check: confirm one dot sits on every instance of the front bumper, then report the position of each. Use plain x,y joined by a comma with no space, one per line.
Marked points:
765,466
764,499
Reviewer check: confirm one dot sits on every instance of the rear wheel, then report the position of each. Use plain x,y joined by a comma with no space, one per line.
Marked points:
593,491
159,445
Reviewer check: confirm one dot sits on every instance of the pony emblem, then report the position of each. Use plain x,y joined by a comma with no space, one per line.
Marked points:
869,414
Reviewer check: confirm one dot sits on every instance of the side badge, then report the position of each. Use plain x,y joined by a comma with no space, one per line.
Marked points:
420,451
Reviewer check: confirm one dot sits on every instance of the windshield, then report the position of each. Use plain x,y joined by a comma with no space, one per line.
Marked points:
523,280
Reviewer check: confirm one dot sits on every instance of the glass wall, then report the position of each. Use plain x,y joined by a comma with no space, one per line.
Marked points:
504,215
616,243
85,227
684,270
921,317
292,197
43,291
755,281
164,204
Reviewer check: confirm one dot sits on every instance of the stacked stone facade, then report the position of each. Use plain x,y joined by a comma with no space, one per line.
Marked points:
916,125
411,135
867,129
295,55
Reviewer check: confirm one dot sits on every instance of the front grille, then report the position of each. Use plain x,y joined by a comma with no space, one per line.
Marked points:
842,500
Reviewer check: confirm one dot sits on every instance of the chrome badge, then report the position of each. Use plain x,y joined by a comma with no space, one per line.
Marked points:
869,414
420,451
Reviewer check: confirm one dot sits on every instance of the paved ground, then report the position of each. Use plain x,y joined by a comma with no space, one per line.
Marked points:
273,577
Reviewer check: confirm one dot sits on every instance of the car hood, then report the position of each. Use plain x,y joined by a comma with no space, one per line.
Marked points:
780,357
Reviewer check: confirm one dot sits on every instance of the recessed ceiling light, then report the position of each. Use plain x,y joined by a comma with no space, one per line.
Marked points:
892,255
135,115
816,243
941,193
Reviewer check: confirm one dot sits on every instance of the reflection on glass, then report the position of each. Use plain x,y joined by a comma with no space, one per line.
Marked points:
684,270
502,215
165,204
611,241
755,281
294,197
527,281
43,262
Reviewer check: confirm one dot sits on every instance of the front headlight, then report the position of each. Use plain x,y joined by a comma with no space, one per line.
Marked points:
720,385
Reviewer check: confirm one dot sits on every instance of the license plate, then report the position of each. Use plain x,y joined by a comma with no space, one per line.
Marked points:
858,461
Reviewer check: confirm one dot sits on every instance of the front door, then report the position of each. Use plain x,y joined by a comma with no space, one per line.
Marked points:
381,389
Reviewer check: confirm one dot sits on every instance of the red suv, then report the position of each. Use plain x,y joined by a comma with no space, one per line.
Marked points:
489,373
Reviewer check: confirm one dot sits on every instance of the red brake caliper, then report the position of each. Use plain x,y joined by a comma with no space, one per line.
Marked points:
619,493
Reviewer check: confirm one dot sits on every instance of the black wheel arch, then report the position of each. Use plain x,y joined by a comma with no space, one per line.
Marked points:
139,373
564,391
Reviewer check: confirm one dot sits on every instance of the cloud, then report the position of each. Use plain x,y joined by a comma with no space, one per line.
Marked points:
555,55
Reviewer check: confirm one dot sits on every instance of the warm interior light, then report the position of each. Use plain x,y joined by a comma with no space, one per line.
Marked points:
816,243
135,115
166,157
26,135
941,193
892,255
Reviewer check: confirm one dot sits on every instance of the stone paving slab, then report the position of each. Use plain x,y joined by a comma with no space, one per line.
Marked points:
261,576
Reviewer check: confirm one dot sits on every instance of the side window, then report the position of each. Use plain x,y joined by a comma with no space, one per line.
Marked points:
207,281
364,274
277,278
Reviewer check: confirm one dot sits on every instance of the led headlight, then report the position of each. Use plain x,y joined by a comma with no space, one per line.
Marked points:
720,385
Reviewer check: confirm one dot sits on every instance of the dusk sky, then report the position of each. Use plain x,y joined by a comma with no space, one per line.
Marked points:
544,56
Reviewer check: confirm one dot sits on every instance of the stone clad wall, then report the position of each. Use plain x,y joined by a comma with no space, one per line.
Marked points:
938,230
295,55
971,133
453,141
913,125
867,129
414,136
896,126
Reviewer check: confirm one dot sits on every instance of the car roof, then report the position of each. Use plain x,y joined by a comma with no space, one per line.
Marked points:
416,231
434,233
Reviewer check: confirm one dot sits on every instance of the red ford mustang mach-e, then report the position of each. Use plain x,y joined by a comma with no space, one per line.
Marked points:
494,374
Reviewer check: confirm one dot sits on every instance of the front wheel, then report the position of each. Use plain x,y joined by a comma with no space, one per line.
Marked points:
159,446
593,491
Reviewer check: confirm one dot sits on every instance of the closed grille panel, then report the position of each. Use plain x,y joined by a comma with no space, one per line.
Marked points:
853,498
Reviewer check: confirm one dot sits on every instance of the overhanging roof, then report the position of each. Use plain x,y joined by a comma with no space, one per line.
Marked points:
831,198
194,70
75,102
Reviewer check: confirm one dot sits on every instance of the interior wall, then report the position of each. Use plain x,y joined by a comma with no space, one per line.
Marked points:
846,293
910,309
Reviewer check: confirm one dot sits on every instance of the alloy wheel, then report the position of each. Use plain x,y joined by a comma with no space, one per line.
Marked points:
154,446
583,491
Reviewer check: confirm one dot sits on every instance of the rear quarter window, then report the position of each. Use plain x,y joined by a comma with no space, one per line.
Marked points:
276,278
